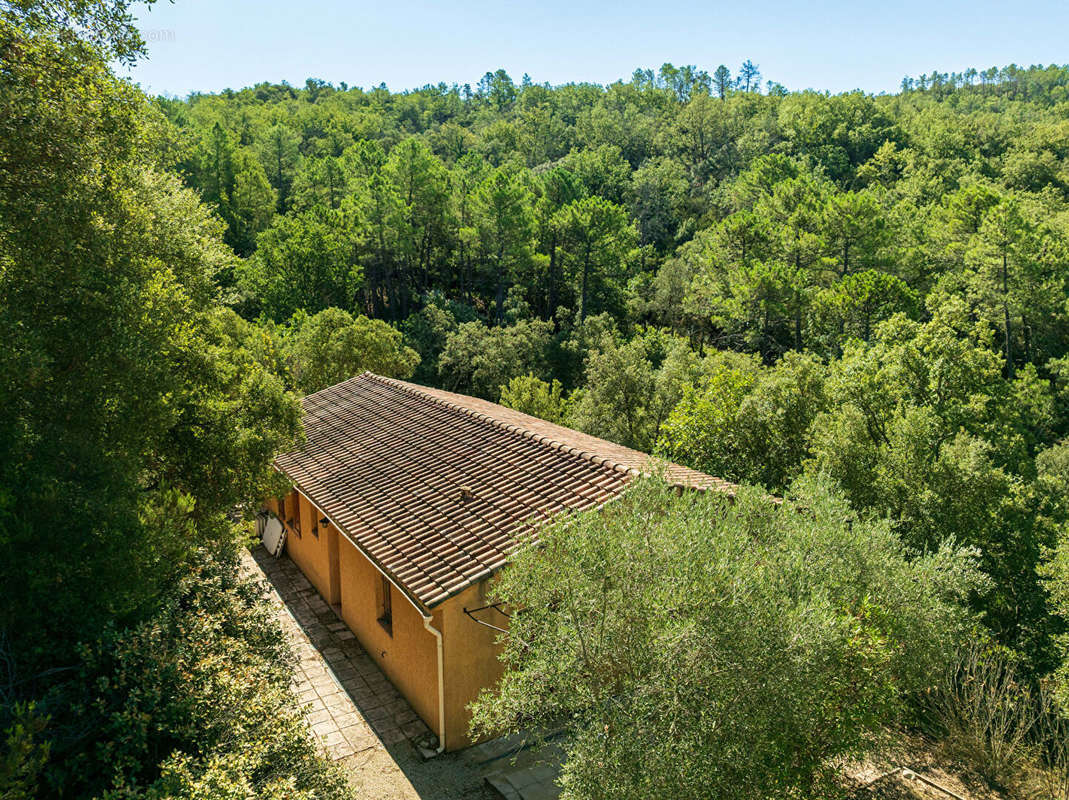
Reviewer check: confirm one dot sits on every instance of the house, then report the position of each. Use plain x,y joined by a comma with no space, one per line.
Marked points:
407,500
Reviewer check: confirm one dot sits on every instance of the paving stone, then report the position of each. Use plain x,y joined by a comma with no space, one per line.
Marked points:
339,700
359,735
392,736
415,730
347,674
541,791
366,698
354,721
349,704
378,715
334,738
545,773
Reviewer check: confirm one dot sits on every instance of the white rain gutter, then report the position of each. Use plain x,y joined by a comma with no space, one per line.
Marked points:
441,682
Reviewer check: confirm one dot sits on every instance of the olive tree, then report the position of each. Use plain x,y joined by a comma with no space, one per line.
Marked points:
708,646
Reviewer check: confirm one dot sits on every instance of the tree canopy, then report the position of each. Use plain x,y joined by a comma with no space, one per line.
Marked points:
717,647
139,414
754,282
856,302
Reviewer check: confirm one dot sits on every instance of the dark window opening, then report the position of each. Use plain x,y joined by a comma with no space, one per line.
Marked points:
295,514
386,606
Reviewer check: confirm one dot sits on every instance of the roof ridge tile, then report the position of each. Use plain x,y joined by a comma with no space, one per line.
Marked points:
598,459
383,460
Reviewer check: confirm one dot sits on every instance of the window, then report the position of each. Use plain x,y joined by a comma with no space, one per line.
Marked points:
295,514
385,605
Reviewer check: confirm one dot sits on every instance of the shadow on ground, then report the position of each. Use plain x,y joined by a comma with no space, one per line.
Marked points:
358,716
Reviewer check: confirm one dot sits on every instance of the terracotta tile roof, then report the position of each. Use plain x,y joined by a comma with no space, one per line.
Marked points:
436,488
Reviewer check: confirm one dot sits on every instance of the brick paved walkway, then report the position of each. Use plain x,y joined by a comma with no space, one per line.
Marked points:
365,724
351,706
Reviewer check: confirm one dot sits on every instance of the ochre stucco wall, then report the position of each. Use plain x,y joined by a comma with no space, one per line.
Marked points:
470,657
311,552
409,656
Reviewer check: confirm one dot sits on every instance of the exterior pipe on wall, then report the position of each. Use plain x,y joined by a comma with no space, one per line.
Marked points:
441,683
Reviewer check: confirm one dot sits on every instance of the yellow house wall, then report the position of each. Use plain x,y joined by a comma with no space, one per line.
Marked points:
470,658
409,656
309,552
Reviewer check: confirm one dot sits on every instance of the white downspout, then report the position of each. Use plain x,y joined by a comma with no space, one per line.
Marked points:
441,684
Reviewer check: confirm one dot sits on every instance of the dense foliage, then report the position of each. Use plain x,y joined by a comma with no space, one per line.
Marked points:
784,289
138,412
192,702
754,282
700,646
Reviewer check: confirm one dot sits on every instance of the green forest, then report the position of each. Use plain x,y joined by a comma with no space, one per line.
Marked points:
857,303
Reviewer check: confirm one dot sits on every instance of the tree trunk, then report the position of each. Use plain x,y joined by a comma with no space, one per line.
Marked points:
551,293
500,297
798,309
281,193
582,294
1010,372
500,287
219,171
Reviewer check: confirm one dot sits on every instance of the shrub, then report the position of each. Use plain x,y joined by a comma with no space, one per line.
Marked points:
333,346
1006,729
534,396
479,360
630,389
696,646
1052,738
987,717
194,702
24,754
745,422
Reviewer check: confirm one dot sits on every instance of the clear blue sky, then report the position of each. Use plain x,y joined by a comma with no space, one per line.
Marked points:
208,45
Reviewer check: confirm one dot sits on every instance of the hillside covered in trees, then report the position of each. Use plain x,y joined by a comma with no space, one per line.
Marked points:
769,286
857,303
754,282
